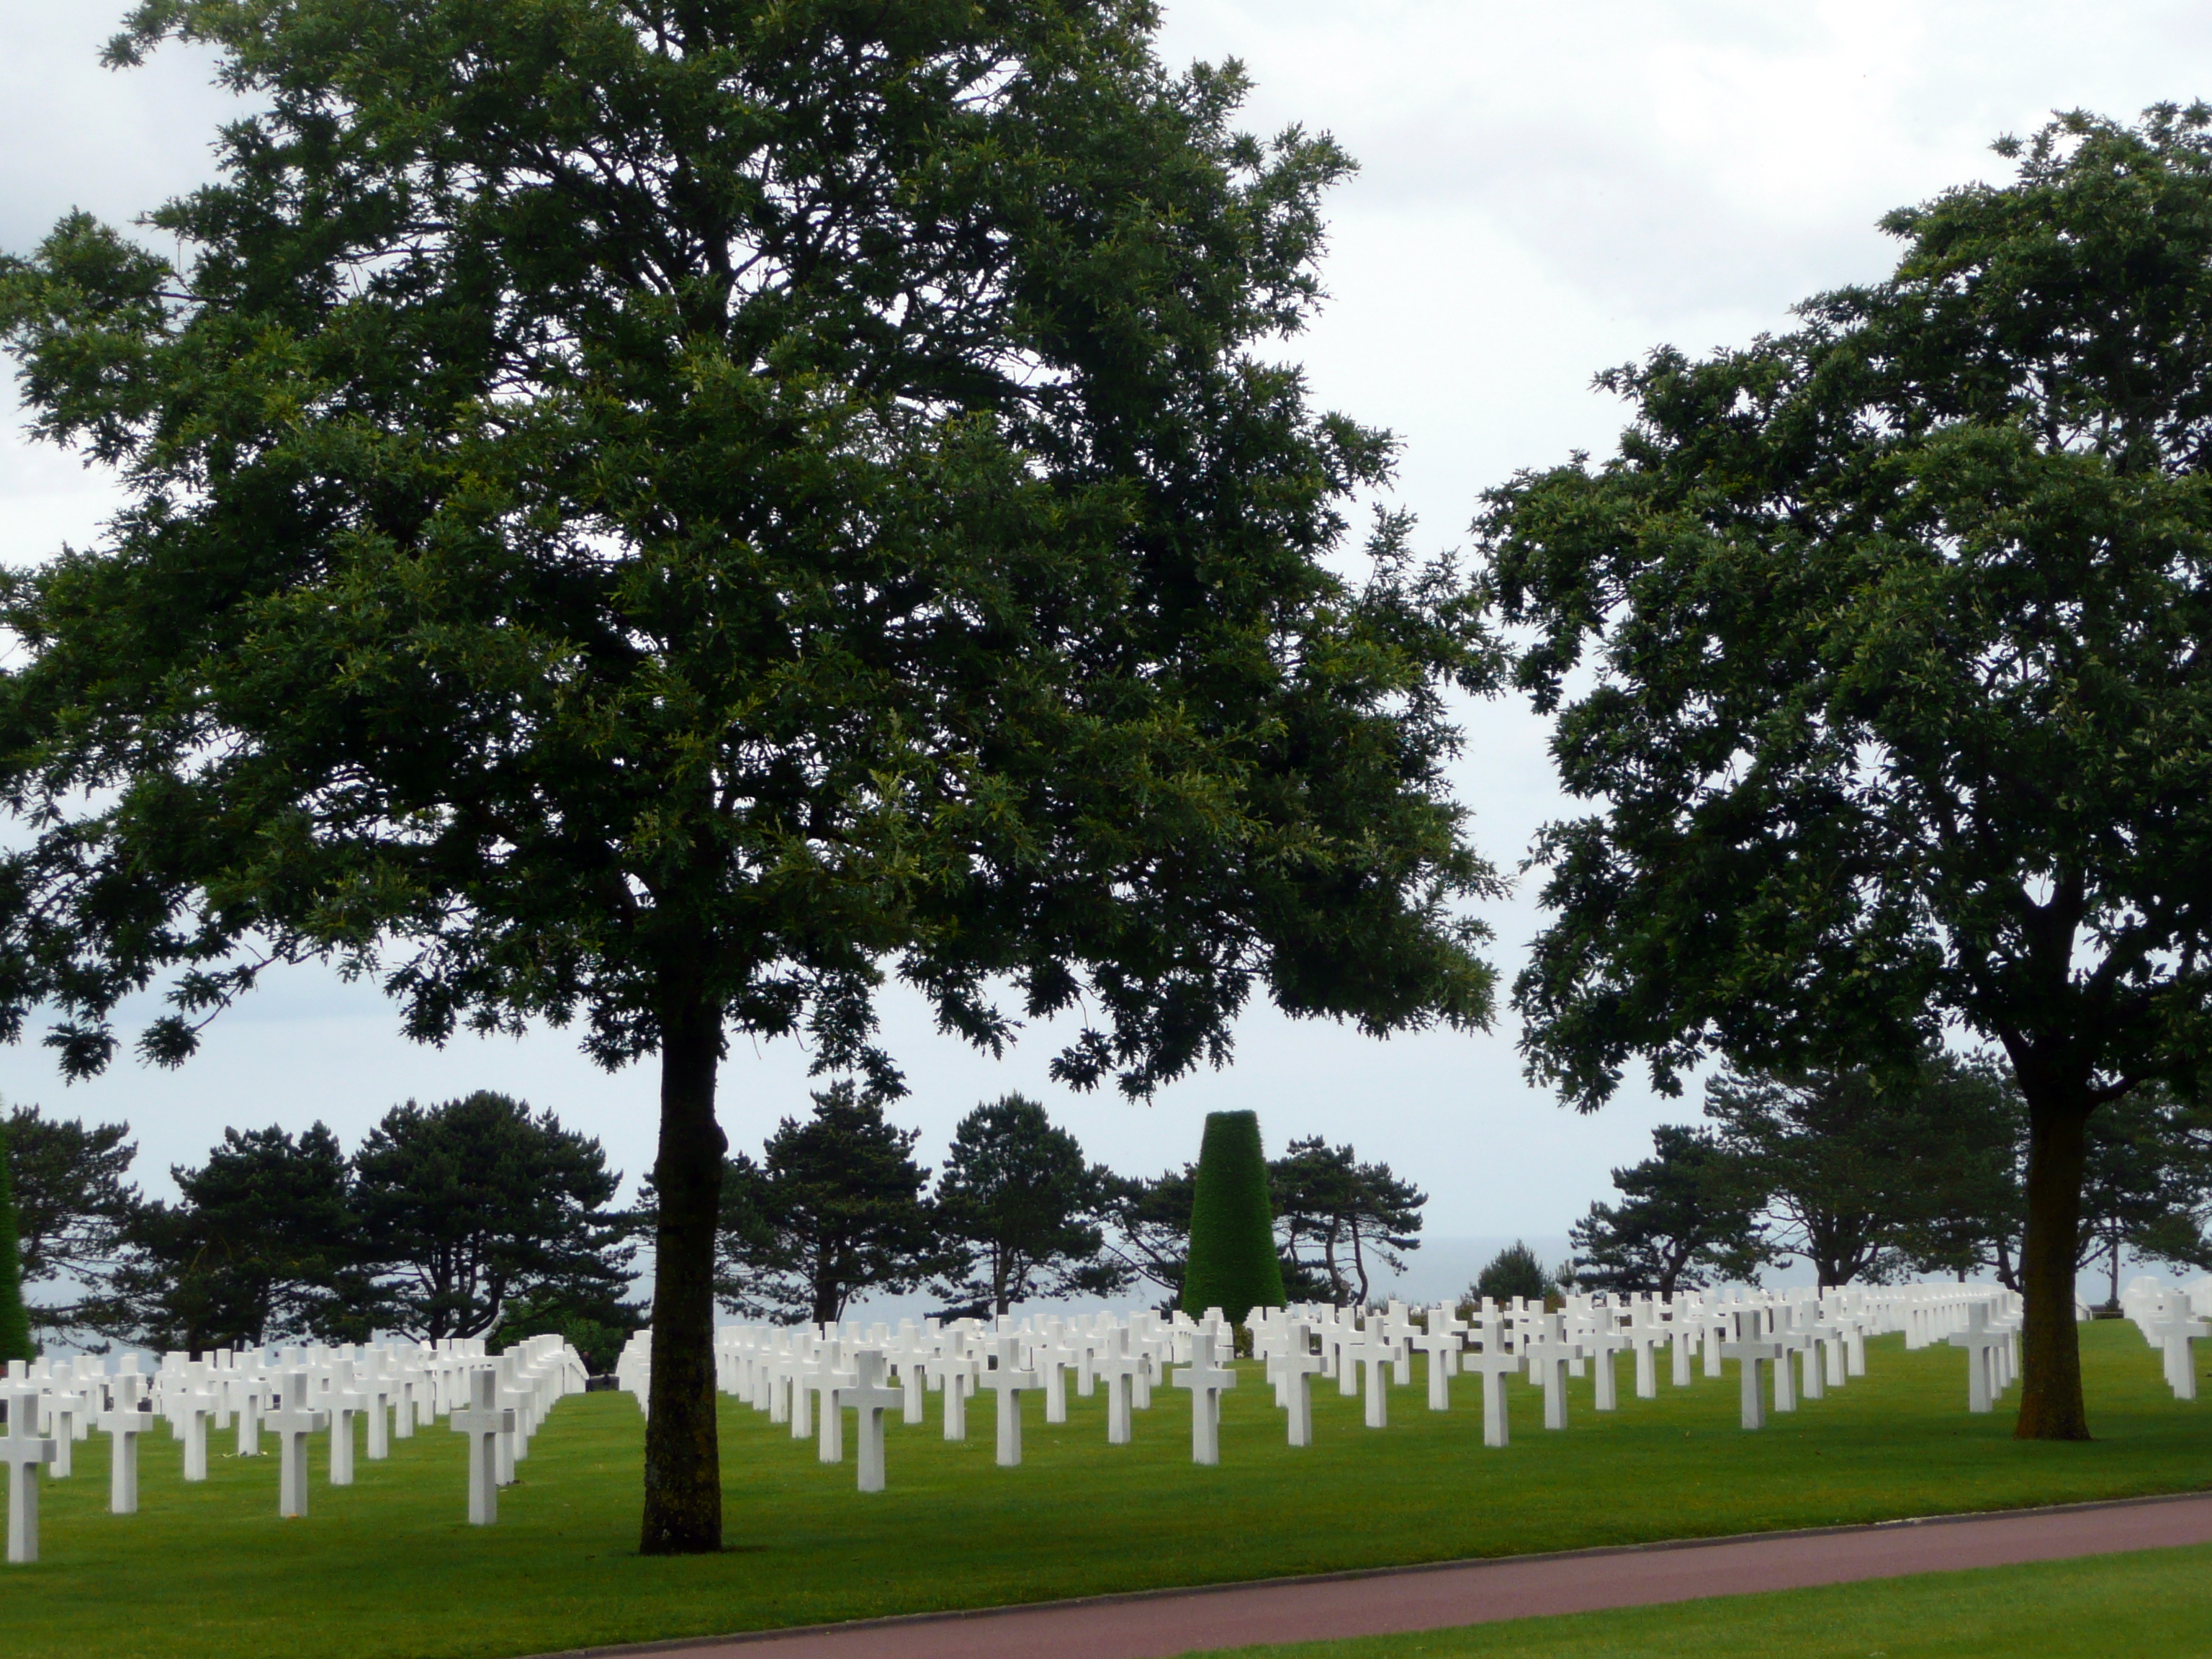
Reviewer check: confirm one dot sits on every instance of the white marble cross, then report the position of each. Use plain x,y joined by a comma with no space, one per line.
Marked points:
1112,1363
1296,1367
1399,1331
292,1424
1546,1353
195,1406
1206,1382
829,1431
2173,1327
805,1367
1493,1362
252,1395
1052,1359
64,1411
1752,1349
484,1420
1367,1356
952,1371
1008,1381
1719,1324
123,1425
1786,1334
1645,1334
1979,1339
381,1388
346,1401
1603,1340
864,1394
1440,1344
1683,1327
519,1393
24,1452
907,1353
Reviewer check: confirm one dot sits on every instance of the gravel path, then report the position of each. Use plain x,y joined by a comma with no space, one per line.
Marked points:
1159,1624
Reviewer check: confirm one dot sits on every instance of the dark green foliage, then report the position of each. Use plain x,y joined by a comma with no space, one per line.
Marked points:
2149,1184
835,1210
1150,1217
1021,1209
1868,1176
664,516
73,1205
14,1318
1687,1215
1890,641
265,1244
1334,1212
1232,1264
1513,1271
469,1207
72,1197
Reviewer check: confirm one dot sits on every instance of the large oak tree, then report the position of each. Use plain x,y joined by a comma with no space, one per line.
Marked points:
666,514
1886,646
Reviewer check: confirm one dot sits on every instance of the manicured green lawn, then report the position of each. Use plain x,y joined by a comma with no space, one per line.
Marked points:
2159,1602
387,1566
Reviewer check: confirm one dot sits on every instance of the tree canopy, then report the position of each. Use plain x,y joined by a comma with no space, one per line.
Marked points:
1337,1214
263,1243
1688,1214
836,1208
471,1207
1022,1209
1515,1271
662,516
1866,1176
74,1205
1883,643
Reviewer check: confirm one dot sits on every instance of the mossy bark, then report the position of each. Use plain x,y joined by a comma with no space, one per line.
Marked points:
2051,1403
683,1459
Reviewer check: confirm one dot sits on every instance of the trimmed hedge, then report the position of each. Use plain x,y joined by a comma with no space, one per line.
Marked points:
14,1320
1232,1264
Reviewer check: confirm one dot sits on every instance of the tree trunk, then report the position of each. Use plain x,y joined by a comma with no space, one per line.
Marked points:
2050,1405
683,1459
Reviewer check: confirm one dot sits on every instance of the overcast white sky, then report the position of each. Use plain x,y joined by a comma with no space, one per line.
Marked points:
1546,189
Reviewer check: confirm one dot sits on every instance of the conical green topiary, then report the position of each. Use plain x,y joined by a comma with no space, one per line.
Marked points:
1232,1263
14,1320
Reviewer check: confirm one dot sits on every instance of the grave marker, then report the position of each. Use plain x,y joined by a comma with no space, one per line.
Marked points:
1206,1383
24,1452
865,1393
483,1421
292,1424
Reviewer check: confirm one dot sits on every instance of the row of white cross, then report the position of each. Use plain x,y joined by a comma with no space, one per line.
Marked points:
294,1394
2170,1320
810,1376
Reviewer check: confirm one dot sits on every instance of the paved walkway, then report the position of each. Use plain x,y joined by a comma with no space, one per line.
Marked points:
1159,1624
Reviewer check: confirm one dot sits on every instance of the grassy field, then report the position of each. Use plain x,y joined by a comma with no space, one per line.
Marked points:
2157,1603
387,1567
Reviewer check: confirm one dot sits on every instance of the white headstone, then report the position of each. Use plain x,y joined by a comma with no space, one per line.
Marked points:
292,1424
24,1452
1207,1381
484,1420
867,1396
1008,1380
